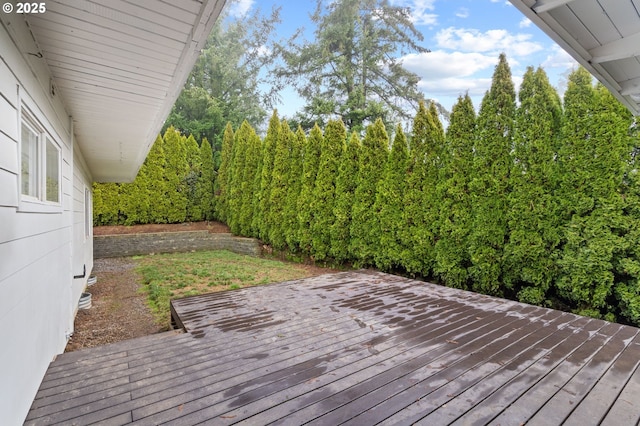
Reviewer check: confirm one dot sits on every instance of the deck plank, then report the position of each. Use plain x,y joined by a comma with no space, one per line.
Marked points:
357,347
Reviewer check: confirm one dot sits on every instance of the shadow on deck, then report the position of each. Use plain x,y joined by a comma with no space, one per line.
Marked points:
356,348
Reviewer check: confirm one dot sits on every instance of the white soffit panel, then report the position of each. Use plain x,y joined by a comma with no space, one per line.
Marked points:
602,35
119,65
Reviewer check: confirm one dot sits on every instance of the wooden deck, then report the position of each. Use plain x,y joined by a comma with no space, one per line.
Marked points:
357,348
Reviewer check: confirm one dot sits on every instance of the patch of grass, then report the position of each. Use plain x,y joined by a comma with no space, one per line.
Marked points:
175,275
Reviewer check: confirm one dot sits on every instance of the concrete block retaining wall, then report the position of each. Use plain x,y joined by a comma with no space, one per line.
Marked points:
171,242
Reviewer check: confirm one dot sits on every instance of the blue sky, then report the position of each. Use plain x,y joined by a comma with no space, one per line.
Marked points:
465,38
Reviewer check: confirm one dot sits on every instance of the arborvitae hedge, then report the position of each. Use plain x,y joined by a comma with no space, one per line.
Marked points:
155,169
222,181
455,219
237,173
324,192
627,289
593,161
248,189
365,231
175,200
205,192
490,182
345,195
148,198
279,186
106,206
192,179
389,205
261,223
537,203
306,206
294,186
419,233
533,214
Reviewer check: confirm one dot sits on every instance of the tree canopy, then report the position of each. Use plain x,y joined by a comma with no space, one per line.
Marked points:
351,70
224,85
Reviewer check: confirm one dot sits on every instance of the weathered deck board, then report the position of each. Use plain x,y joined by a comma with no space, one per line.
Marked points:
353,348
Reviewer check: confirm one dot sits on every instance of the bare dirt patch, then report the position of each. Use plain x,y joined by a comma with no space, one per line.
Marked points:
212,227
119,310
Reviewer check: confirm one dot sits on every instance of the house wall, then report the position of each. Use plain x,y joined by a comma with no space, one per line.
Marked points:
41,247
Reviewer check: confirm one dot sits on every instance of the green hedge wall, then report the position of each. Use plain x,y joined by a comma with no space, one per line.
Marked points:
533,200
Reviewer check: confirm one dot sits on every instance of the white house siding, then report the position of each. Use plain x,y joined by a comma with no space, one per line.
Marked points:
40,252
82,256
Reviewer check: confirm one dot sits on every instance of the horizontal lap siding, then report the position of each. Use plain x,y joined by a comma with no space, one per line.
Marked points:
36,274
8,137
8,159
82,244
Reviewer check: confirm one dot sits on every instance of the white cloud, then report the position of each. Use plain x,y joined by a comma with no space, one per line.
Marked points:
451,73
239,8
558,58
453,87
525,23
491,41
439,64
421,11
462,12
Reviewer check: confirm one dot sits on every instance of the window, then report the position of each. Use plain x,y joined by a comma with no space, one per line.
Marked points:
52,168
29,161
40,164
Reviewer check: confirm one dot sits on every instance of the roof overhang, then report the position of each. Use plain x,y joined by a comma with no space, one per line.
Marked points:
119,67
602,35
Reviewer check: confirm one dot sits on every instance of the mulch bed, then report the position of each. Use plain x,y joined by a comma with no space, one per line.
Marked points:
213,227
119,310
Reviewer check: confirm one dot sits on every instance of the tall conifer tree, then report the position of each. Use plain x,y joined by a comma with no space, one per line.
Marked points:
194,169
279,186
206,181
136,204
389,204
324,191
452,255
365,236
421,196
294,187
533,216
627,289
490,183
106,205
236,169
593,159
312,150
221,185
155,169
248,184
261,223
174,175
345,195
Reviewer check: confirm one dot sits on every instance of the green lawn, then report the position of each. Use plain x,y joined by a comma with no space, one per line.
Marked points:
170,276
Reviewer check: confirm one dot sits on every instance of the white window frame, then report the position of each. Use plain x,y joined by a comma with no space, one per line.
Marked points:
37,201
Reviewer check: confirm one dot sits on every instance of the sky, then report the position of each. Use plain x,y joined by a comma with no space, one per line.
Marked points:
465,38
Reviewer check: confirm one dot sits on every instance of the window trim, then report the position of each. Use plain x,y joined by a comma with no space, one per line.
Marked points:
39,202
